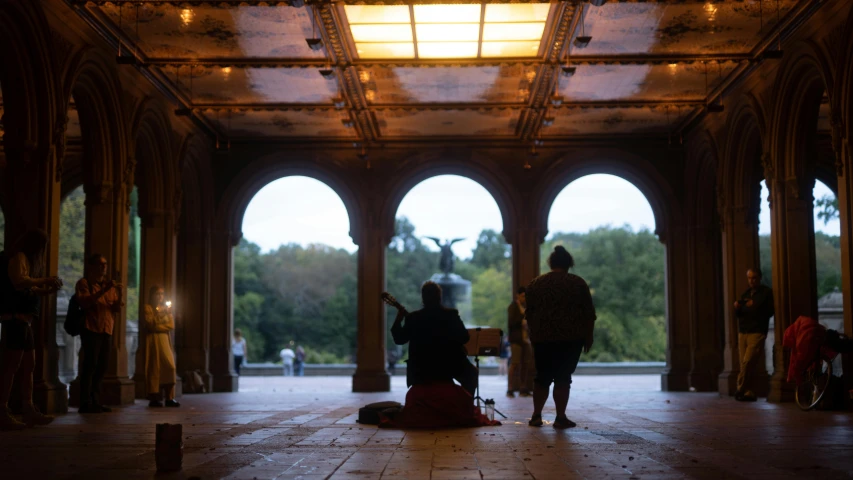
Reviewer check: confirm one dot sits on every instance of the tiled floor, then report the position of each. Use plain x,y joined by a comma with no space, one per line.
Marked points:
305,428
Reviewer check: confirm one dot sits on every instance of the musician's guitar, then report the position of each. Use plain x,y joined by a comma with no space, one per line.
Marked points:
390,300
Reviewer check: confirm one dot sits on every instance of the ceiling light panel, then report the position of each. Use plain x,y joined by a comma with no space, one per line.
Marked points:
447,30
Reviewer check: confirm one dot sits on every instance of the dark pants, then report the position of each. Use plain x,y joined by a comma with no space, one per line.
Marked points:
556,361
96,355
238,360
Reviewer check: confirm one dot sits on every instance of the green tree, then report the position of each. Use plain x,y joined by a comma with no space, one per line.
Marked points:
827,262
827,207
72,238
491,294
625,272
491,251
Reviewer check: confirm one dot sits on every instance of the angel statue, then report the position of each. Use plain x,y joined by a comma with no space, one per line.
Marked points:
446,262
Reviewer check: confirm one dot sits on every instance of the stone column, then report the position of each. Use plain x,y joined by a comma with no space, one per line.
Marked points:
706,323
192,308
841,145
158,268
675,376
526,243
32,184
222,310
106,233
740,253
794,276
370,373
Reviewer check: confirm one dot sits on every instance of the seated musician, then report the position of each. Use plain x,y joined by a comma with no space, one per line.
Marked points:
437,338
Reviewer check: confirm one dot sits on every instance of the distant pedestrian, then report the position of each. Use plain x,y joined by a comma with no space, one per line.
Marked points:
287,356
299,361
503,359
238,349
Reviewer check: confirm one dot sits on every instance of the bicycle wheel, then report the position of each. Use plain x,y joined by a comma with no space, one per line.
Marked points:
811,390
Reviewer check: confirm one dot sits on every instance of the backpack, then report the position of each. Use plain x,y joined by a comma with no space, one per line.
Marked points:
193,383
369,414
75,318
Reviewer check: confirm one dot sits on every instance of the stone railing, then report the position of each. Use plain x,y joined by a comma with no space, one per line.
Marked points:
339,369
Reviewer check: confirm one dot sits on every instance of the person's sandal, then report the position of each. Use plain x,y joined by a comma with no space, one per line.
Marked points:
535,421
561,423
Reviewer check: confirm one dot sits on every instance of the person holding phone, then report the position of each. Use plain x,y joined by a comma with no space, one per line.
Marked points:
160,371
21,289
561,318
100,300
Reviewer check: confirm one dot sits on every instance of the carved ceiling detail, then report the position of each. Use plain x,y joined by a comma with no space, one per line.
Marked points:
642,74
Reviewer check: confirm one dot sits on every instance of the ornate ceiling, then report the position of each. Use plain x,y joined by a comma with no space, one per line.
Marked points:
244,71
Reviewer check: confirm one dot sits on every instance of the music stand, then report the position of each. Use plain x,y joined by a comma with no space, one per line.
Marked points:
484,342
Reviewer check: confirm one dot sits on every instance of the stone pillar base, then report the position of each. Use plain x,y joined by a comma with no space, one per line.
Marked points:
703,381
226,383
51,397
117,391
780,390
371,382
727,384
674,382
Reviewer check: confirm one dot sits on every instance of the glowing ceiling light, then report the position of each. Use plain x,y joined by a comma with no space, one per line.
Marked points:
187,16
447,30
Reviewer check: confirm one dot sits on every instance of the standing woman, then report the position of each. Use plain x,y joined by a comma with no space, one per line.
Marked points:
238,349
159,360
20,288
561,318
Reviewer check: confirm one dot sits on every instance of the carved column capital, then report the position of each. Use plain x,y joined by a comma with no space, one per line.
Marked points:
98,194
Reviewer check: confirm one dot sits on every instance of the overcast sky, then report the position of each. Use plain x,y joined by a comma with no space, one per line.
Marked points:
449,206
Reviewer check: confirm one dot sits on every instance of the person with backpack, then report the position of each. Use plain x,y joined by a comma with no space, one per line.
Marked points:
100,300
21,287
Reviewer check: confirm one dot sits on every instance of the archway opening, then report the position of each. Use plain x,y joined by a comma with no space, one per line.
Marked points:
476,273
608,225
72,239
295,281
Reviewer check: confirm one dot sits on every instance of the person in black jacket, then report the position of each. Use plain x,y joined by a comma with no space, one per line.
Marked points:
436,338
753,310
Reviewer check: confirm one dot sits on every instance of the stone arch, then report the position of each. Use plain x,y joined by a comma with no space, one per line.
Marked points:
740,170
804,77
153,171
628,166
26,78
94,85
264,170
426,166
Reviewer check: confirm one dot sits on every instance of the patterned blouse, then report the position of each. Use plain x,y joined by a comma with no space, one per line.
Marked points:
559,308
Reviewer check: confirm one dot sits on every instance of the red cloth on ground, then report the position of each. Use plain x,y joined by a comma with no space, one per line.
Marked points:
805,338
437,405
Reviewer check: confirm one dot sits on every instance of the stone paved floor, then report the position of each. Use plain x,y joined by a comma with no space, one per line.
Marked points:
305,428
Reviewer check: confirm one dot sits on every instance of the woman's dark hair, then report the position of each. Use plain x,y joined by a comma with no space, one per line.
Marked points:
94,259
521,290
153,290
238,333
33,245
431,294
561,258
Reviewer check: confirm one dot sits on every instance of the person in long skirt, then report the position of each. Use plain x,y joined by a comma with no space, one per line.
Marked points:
159,360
